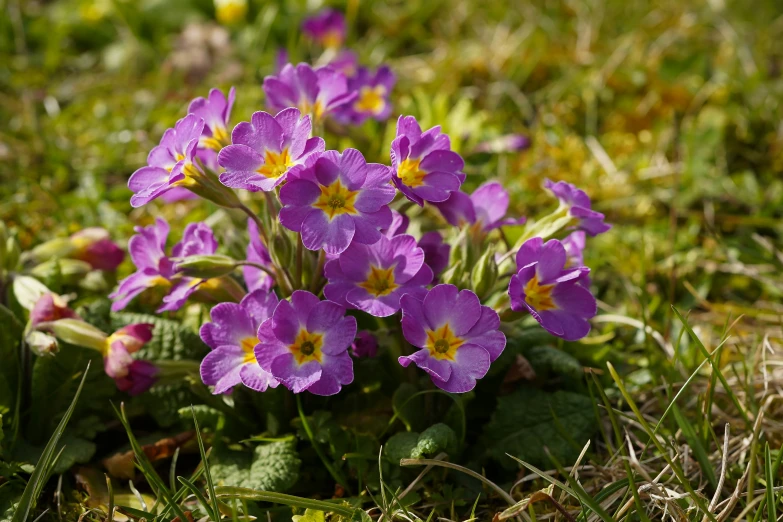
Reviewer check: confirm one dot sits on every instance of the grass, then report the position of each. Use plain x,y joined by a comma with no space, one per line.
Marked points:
667,113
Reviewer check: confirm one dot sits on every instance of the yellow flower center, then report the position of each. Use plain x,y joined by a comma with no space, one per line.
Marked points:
275,163
336,199
230,11
380,282
248,344
307,347
159,281
315,110
442,343
539,296
371,99
218,140
410,173
332,39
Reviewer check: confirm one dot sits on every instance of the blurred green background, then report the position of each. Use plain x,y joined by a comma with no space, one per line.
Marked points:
667,113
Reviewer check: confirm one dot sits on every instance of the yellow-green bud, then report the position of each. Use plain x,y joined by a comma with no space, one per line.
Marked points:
42,344
453,275
28,290
70,270
484,274
206,266
281,251
76,331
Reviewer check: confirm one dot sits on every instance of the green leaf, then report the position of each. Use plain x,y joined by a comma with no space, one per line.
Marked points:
163,402
205,415
10,339
170,340
400,445
529,420
549,359
71,450
435,439
311,515
43,467
519,343
271,467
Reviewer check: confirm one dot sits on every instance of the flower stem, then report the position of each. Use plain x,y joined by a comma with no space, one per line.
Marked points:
318,274
261,229
299,256
334,472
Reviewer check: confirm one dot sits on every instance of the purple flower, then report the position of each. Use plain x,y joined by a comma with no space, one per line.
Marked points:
265,149
154,268
374,277
550,292
364,345
305,345
578,204
148,252
507,143
340,199
215,111
94,246
346,62
130,375
327,28
232,337
314,92
170,164
255,278
197,239
399,224
436,252
373,96
458,337
574,245
177,194
281,59
486,208
50,307
425,168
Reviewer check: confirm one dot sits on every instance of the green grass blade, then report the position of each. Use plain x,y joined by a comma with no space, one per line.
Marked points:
715,368
772,513
215,513
695,443
37,480
581,494
291,500
199,496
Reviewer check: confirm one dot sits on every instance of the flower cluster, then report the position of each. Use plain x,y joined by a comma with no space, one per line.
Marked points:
330,240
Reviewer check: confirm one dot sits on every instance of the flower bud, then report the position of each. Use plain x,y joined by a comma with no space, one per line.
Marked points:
219,290
94,246
28,291
76,331
365,345
68,270
42,344
453,275
206,266
484,274
52,249
50,307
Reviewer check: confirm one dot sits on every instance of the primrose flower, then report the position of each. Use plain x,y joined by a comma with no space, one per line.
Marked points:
550,292
339,199
425,168
50,307
316,92
265,149
327,28
215,111
197,239
372,100
130,375
436,252
94,246
458,337
230,11
305,345
578,205
153,268
374,277
169,164
364,345
485,208
232,337
255,278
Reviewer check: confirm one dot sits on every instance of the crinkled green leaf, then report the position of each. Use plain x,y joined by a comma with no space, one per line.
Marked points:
529,420
549,359
270,467
71,449
310,515
170,340
435,439
98,314
164,402
400,445
206,416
